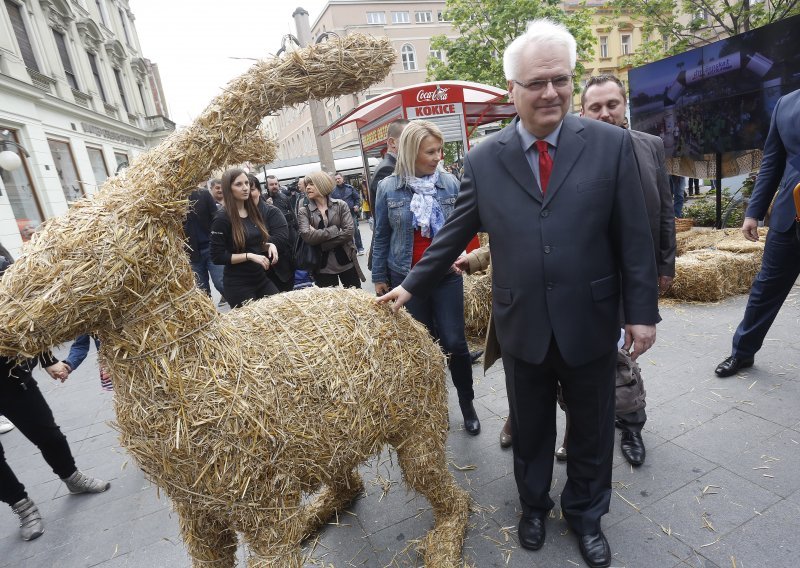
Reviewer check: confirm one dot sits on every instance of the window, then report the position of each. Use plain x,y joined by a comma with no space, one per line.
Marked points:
67,172
423,17
124,21
101,12
67,64
122,160
96,73
603,47
440,16
142,97
24,41
118,77
400,18
21,193
408,57
625,40
436,54
376,17
98,165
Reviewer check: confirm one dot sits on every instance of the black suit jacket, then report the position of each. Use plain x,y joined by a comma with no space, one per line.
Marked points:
385,169
559,262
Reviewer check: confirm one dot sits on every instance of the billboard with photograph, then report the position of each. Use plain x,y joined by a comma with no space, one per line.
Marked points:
717,98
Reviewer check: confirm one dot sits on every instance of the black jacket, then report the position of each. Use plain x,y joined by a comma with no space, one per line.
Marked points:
197,225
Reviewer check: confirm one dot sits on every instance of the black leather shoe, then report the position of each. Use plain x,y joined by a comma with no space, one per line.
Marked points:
471,423
632,447
474,356
732,365
531,532
595,550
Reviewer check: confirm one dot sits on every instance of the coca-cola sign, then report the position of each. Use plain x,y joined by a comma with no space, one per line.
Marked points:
440,94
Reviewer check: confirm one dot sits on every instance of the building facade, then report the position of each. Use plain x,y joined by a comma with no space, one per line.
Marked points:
77,94
408,25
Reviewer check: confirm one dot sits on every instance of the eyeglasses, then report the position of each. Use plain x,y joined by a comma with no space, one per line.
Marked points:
558,82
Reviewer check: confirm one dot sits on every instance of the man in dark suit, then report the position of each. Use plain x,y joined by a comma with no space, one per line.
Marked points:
561,199
385,167
780,267
604,98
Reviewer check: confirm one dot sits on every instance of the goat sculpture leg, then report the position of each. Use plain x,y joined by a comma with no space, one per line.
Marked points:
211,543
423,461
331,500
275,533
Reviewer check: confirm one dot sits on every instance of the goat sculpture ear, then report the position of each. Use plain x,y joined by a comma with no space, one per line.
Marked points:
224,133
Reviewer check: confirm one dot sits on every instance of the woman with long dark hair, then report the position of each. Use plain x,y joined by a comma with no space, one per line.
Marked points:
241,242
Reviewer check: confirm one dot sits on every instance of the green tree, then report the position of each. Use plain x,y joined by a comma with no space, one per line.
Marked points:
674,27
486,27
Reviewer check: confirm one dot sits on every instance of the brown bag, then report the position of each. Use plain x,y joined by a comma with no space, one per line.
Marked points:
630,388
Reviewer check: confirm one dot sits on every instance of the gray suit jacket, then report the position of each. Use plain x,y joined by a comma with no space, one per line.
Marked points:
649,152
559,263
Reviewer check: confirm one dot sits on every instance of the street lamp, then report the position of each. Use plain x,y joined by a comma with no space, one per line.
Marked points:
9,159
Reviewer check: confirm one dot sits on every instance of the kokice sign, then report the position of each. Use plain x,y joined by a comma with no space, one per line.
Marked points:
433,110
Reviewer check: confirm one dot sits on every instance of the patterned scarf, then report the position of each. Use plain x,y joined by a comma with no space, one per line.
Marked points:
427,213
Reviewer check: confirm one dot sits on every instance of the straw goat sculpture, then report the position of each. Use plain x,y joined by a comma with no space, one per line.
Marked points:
239,436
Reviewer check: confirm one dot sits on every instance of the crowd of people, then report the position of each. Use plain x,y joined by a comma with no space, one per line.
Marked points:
573,302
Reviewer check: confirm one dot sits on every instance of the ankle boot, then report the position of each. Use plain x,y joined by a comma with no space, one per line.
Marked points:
30,521
471,423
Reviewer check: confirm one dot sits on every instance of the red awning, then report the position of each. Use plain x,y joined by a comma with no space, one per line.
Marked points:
483,104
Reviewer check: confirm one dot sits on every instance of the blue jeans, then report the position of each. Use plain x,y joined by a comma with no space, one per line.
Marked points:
442,312
357,233
676,184
204,267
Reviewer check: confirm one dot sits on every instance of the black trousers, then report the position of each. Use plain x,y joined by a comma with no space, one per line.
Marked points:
589,392
238,291
28,410
349,279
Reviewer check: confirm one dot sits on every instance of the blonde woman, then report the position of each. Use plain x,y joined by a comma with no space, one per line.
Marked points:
328,223
410,207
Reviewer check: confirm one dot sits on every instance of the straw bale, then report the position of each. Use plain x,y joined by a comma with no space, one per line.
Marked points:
712,275
238,436
477,303
705,238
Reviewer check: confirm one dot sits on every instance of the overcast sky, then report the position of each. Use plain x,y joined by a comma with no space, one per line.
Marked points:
200,45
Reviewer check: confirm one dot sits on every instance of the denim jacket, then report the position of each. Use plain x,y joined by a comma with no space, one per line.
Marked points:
394,232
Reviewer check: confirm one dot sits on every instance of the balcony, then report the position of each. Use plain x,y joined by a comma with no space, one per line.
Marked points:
82,98
41,81
157,123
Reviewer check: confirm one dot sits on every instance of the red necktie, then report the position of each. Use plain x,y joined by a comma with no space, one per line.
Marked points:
545,164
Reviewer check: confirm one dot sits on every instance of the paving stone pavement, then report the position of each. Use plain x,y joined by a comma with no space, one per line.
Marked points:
720,487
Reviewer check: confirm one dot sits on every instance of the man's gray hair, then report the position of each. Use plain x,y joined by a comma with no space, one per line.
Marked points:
271,176
541,31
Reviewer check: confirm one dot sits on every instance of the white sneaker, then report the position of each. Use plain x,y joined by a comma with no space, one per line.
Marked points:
30,520
81,483
5,425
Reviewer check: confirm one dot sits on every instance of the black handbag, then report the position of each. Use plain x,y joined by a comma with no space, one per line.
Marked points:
306,256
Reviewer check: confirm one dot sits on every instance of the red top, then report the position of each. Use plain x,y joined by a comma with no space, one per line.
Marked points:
421,244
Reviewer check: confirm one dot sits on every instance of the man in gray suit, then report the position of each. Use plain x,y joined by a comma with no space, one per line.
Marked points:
561,199
604,98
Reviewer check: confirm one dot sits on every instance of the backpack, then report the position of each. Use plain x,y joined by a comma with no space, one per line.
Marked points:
630,393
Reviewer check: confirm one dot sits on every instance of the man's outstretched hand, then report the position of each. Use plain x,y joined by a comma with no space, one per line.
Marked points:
398,294
640,337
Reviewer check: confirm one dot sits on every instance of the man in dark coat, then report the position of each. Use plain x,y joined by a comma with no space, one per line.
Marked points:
562,202
604,99
780,267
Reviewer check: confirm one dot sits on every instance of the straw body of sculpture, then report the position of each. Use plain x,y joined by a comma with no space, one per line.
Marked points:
235,434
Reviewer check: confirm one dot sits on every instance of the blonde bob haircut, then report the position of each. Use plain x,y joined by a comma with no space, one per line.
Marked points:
408,146
321,181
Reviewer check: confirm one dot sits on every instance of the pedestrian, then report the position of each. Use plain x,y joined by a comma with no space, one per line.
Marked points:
77,354
240,241
780,266
560,197
282,273
328,223
411,207
352,197
197,228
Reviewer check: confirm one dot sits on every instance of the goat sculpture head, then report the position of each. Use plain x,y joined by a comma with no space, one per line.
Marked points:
120,254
